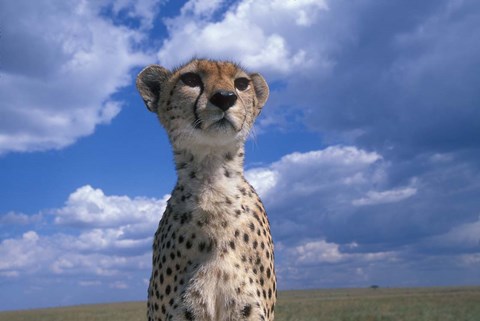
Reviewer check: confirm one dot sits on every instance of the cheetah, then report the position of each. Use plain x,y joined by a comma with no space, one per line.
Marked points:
213,252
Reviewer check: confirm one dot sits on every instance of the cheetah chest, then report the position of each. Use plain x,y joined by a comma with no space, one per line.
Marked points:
214,265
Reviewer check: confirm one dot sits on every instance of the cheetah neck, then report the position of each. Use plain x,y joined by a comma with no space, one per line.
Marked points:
210,178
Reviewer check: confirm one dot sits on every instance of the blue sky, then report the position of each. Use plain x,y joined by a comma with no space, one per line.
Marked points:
366,154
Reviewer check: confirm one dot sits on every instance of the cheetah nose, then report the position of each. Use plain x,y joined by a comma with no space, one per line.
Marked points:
224,99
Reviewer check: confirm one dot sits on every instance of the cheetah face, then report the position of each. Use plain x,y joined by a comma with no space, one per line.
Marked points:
204,102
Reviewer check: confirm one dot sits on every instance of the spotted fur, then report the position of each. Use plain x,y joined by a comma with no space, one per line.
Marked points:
213,252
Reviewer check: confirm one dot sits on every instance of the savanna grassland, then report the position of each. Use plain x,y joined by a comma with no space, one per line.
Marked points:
400,304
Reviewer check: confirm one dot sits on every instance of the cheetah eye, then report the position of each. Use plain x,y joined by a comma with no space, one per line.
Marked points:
242,83
191,79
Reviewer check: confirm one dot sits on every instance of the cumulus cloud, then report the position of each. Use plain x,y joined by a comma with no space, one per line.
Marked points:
317,251
255,33
91,208
345,209
56,81
325,264
346,194
107,237
321,251
314,175
309,197
19,253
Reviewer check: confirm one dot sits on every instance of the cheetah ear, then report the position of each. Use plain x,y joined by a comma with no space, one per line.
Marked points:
150,82
261,88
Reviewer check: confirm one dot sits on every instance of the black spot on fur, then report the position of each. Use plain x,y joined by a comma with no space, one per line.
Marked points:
185,218
188,315
246,311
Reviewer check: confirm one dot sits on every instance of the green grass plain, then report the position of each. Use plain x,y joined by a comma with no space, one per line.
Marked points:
383,304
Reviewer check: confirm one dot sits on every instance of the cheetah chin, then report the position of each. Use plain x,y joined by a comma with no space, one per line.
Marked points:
213,253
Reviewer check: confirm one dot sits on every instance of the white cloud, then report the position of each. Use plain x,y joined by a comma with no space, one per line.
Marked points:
57,79
263,179
310,194
318,252
316,174
320,263
92,208
390,196
22,253
98,265
114,239
321,251
259,34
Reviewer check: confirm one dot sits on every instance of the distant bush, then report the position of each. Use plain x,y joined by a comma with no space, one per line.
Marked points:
374,286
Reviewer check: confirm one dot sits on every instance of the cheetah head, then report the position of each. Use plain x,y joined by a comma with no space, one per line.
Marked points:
203,103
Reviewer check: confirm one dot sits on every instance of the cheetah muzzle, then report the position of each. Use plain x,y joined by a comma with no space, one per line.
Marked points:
213,251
